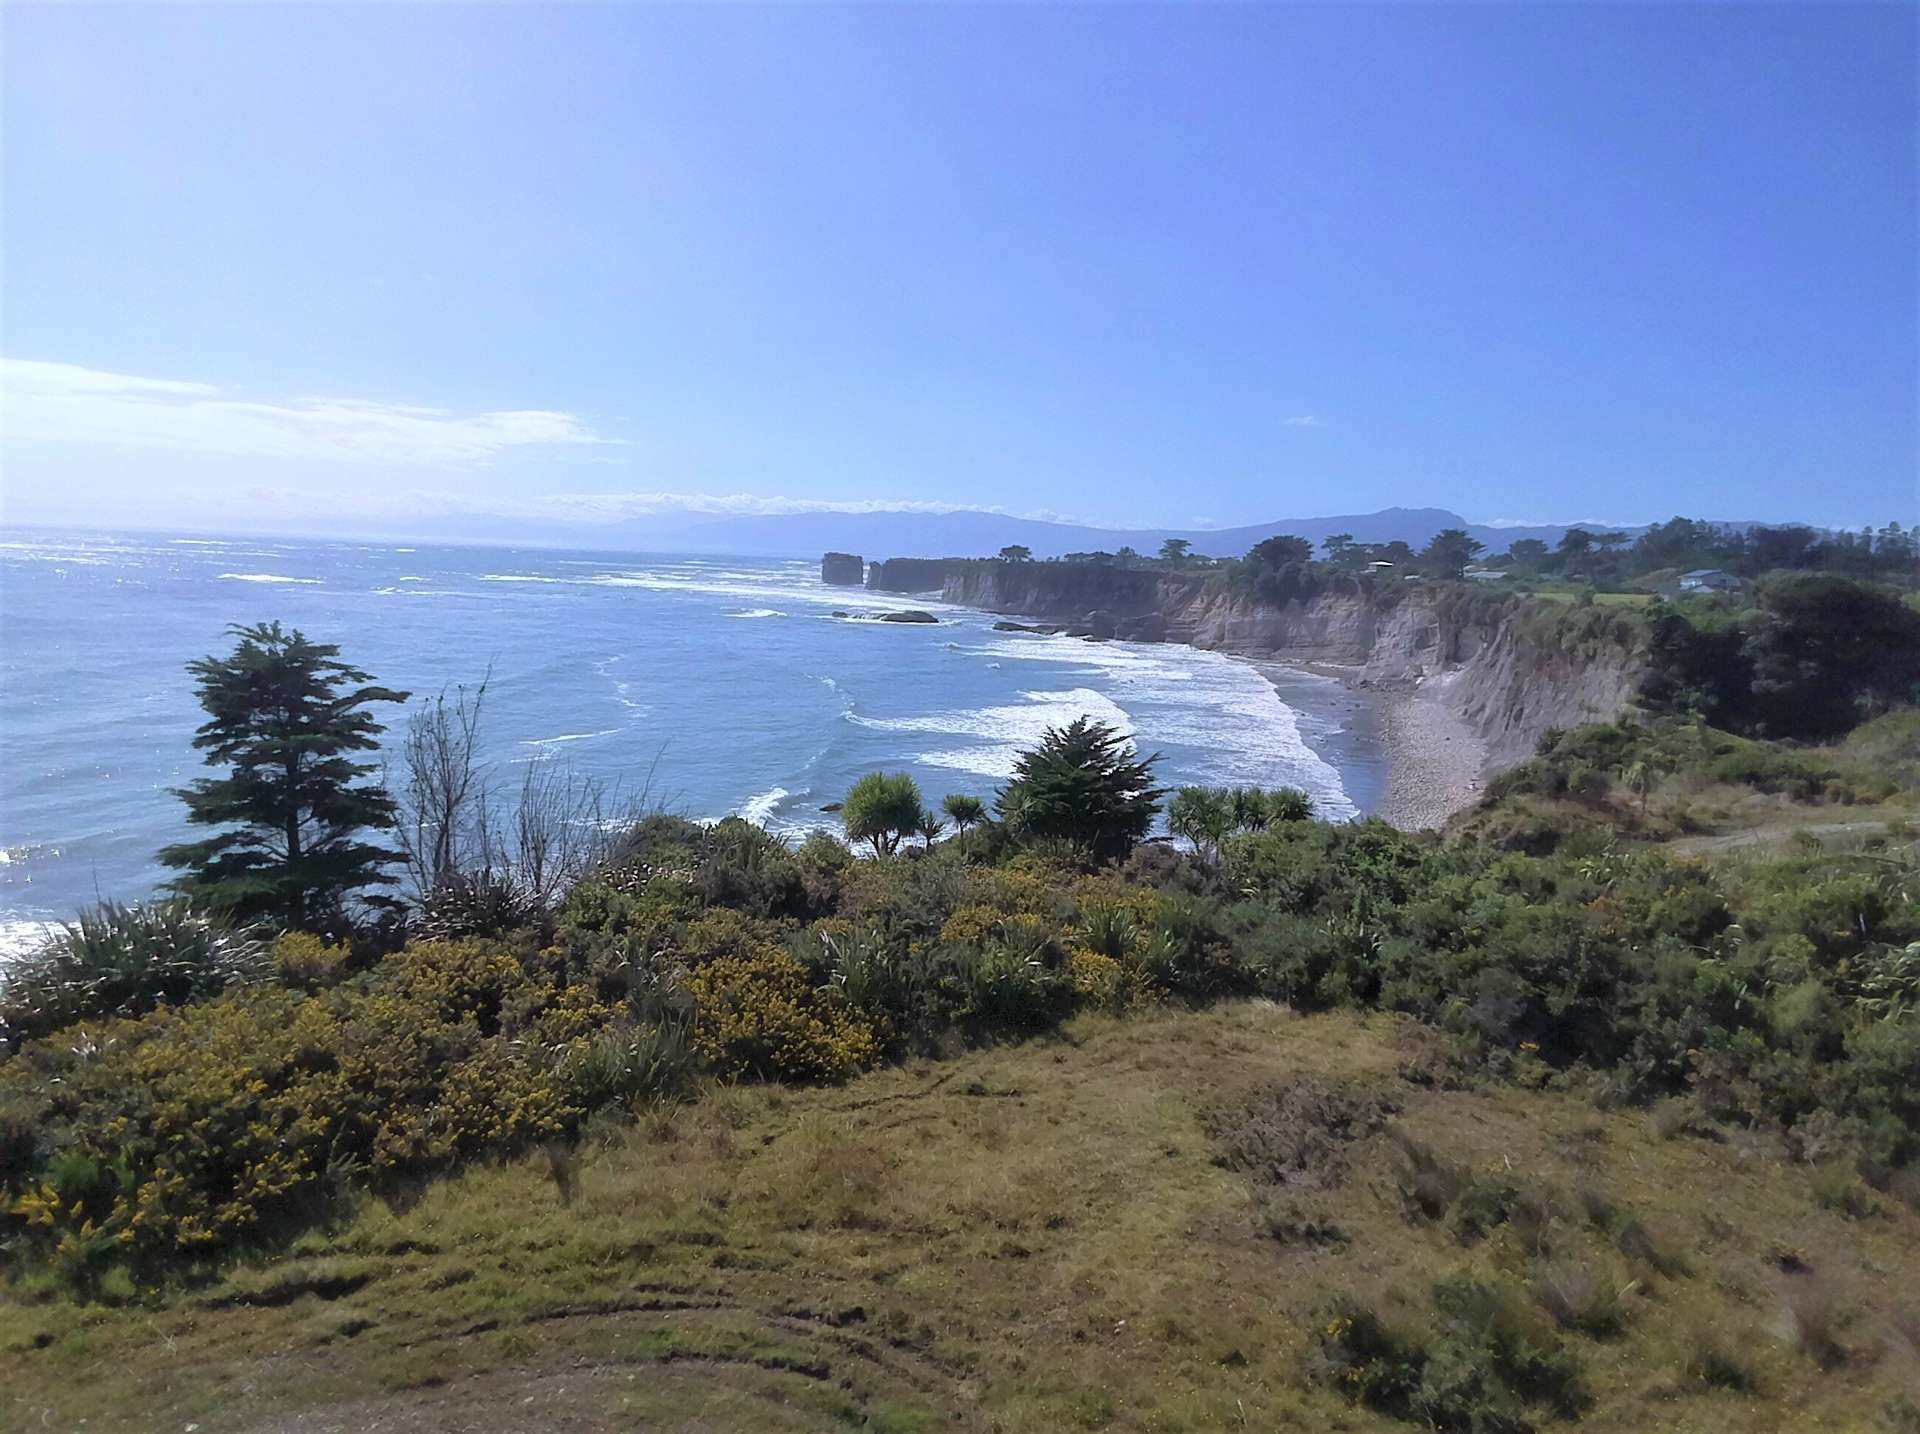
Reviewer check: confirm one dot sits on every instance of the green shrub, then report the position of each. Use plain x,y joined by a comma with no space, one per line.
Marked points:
1579,1298
1006,986
1369,1361
824,852
1488,1362
625,1063
1710,1358
749,869
126,960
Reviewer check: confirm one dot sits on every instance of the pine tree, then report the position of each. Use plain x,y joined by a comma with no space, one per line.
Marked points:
1081,783
279,720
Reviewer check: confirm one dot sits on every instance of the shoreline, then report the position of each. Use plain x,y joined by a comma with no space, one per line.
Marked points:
1402,753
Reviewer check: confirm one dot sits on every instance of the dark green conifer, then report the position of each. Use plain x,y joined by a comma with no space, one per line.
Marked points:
1081,783
283,716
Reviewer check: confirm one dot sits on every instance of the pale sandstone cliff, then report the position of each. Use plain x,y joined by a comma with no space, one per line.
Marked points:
1511,670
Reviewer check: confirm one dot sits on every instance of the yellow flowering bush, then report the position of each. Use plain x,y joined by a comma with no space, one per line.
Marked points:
191,1129
302,960
723,932
971,926
1025,932
1108,893
756,1014
1097,980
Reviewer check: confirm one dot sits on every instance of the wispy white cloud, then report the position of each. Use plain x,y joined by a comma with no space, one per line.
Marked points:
583,510
1303,420
613,507
66,403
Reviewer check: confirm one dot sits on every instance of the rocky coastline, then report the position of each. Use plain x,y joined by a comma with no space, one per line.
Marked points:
1463,688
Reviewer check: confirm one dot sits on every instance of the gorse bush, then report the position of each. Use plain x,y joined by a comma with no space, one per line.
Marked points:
307,963
198,1128
124,961
759,1016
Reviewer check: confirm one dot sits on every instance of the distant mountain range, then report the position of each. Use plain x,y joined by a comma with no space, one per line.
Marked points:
974,534
904,534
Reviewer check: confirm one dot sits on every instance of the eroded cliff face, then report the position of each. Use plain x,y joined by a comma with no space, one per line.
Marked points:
1511,670
845,570
912,575
1065,592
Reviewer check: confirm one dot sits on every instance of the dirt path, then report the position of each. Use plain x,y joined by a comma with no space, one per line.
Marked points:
1771,836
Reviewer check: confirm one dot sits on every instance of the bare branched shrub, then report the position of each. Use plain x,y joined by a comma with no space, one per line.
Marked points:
561,826
1292,1133
481,860
444,798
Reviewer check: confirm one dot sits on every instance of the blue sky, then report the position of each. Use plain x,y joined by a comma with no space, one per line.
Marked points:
1159,264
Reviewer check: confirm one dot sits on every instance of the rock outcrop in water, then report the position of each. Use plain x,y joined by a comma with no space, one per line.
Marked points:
843,570
1512,668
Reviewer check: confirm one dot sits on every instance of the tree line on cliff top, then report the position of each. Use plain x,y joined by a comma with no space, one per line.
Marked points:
1598,556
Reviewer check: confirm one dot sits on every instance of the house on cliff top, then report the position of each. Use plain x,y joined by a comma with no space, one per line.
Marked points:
1710,580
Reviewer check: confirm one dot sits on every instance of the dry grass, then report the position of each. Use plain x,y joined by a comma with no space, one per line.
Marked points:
1040,1237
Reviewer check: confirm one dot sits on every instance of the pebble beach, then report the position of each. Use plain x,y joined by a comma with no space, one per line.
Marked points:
1402,753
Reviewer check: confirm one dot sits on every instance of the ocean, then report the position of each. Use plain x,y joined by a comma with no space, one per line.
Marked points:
711,685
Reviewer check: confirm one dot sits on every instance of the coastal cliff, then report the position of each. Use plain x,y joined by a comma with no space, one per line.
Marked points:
1510,667
912,575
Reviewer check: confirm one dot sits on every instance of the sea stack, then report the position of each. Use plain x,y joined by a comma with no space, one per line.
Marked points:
843,570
